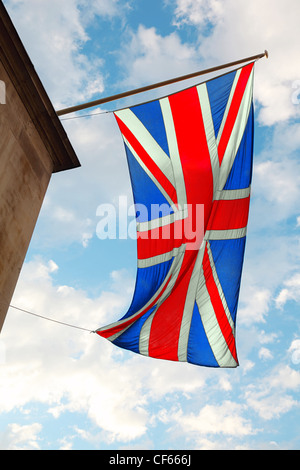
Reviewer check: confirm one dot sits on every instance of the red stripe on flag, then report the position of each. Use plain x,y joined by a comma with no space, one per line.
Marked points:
164,239
218,306
228,215
197,171
234,108
193,148
149,247
147,160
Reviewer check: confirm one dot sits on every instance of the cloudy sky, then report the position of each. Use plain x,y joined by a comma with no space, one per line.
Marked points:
65,388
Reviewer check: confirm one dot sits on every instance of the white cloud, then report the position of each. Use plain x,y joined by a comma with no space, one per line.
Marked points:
149,57
220,422
59,366
273,406
108,8
69,370
265,354
54,34
69,209
291,291
294,351
267,338
247,366
278,184
254,305
269,398
284,378
241,29
20,437
225,383
59,59
198,12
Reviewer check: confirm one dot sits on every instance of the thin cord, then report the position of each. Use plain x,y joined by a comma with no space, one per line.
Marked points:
51,319
109,112
157,85
85,115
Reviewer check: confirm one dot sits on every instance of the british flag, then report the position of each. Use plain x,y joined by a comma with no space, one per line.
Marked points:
190,157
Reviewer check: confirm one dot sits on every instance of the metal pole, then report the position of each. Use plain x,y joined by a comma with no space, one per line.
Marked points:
157,85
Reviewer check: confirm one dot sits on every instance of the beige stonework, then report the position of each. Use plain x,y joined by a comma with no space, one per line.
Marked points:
33,145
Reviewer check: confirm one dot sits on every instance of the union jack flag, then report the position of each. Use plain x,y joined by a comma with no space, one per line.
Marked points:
190,156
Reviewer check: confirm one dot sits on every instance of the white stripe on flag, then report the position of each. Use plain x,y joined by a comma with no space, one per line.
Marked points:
211,326
149,144
174,152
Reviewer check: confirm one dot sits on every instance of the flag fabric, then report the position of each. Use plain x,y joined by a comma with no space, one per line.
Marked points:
190,161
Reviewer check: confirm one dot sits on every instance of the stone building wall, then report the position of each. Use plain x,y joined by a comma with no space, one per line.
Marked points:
33,145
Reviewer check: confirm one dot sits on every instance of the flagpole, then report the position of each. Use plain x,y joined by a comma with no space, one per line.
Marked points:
91,104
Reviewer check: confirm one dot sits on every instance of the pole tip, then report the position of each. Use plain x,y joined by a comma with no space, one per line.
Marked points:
266,54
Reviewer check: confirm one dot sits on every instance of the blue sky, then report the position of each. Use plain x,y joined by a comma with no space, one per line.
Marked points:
63,388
